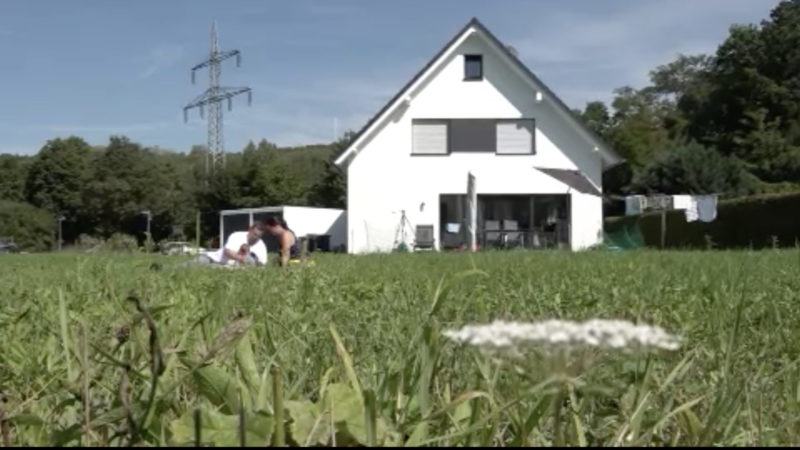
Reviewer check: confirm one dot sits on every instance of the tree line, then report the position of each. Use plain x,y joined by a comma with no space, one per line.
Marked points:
100,191
725,123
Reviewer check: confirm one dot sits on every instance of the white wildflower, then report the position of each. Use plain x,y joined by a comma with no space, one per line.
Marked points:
599,333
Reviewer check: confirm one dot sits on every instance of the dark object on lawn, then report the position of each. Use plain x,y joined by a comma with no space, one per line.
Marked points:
7,246
319,243
424,239
155,267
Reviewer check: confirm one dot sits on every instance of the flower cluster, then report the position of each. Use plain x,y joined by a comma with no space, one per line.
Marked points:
599,333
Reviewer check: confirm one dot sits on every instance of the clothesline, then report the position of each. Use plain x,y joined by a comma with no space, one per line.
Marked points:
696,207
623,197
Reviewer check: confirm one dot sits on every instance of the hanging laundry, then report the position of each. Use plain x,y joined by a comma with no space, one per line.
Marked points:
657,202
634,204
681,201
691,209
707,208
702,208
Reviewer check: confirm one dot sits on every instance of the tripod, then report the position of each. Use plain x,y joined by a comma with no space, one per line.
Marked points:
400,231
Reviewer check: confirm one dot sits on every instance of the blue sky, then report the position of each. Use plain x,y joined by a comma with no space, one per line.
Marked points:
95,68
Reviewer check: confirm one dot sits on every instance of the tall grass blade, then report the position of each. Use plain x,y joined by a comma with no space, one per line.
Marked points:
278,439
242,426
576,418
247,362
198,428
347,361
370,418
65,340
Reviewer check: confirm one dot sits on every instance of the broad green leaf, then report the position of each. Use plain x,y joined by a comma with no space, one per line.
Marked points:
108,417
340,405
62,437
26,419
347,410
309,425
223,429
418,435
218,386
31,436
462,412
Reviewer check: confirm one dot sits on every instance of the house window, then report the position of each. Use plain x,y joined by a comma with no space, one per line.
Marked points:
473,67
429,137
473,135
500,136
515,137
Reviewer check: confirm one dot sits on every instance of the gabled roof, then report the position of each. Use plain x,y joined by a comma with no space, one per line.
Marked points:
608,153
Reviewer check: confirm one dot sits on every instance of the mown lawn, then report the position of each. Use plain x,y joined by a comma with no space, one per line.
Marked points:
77,359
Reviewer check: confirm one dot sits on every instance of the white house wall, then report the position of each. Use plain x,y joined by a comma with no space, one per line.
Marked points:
304,221
385,178
587,220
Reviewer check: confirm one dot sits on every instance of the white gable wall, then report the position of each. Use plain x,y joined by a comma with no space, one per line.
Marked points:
385,177
305,220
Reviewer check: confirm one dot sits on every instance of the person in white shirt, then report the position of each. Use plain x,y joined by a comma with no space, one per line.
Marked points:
241,248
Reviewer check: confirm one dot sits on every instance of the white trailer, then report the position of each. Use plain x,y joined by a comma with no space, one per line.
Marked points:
327,224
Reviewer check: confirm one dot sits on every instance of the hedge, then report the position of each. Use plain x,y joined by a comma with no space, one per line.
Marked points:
751,222
29,227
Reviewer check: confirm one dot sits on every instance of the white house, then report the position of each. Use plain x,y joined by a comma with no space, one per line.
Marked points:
475,108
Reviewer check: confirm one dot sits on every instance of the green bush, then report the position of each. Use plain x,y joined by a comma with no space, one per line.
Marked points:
29,227
690,168
761,221
118,242
87,242
121,242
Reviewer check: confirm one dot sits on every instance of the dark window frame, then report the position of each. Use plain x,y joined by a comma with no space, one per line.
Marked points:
472,58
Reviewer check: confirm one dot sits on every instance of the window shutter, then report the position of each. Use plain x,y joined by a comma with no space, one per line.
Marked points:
430,137
515,137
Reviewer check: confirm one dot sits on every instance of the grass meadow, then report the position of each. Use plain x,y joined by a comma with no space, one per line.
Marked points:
140,350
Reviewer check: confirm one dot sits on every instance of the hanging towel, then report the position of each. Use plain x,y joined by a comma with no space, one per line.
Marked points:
702,208
681,201
634,204
691,209
707,208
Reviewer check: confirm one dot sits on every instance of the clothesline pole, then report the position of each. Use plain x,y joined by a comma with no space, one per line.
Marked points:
472,206
663,228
